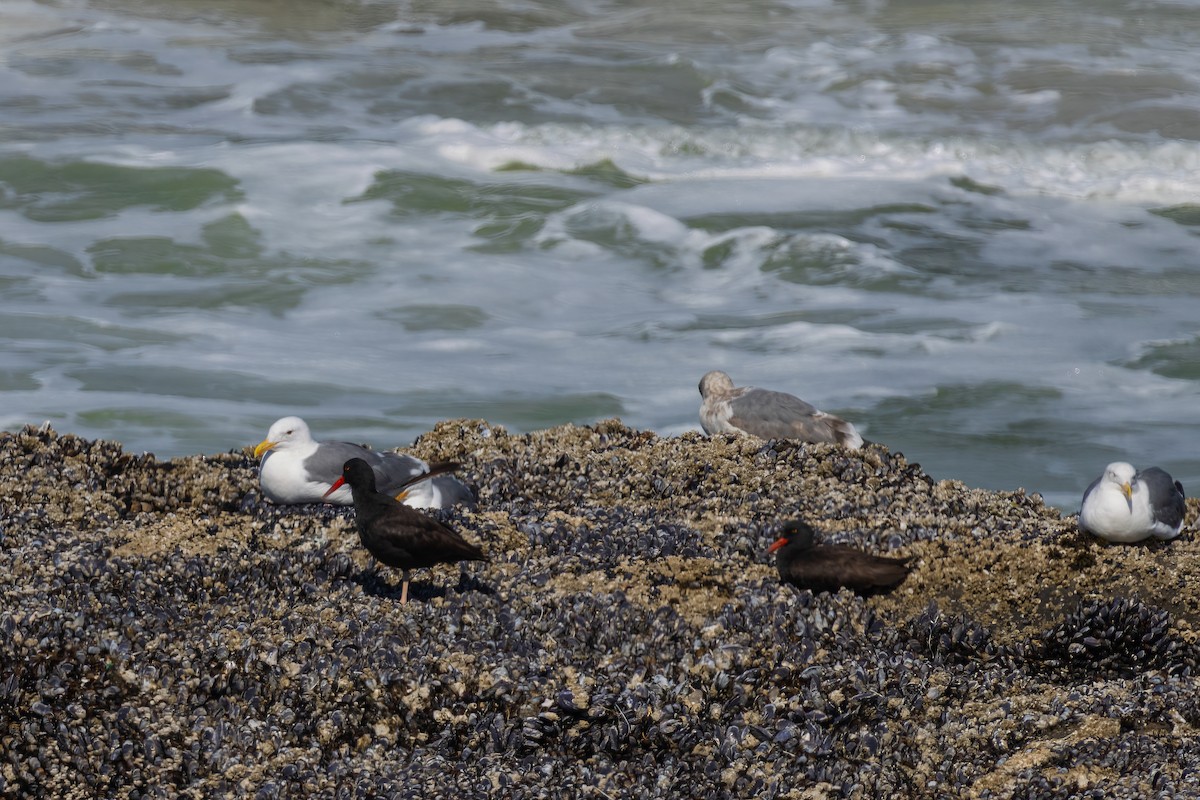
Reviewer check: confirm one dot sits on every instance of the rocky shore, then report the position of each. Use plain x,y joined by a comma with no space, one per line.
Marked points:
164,632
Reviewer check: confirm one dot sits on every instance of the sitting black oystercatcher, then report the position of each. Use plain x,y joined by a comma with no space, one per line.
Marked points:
396,534
827,568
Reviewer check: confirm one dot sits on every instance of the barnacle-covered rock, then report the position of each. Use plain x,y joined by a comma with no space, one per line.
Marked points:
164,632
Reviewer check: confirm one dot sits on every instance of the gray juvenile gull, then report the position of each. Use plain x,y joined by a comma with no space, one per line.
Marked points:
767,414
1128,505
296,468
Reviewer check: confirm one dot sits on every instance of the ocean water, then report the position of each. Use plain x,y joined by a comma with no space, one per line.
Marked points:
972,229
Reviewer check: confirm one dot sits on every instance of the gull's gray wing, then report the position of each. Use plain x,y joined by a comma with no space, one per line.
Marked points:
325,465
1166,496
778,415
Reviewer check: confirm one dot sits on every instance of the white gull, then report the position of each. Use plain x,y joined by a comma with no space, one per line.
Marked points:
1128,505
296,468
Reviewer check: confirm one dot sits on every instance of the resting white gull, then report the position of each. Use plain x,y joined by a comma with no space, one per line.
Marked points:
296,468
1128,505
767,414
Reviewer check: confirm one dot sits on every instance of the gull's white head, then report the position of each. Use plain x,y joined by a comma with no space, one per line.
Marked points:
286,432
1121,474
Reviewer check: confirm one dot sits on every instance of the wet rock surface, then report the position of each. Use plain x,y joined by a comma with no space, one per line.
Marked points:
164,632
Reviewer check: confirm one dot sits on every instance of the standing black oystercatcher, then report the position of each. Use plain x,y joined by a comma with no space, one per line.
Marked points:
396,534
827,568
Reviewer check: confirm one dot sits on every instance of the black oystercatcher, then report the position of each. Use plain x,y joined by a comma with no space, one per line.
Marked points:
827,568
767,414
397,535
296,468
1129,505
